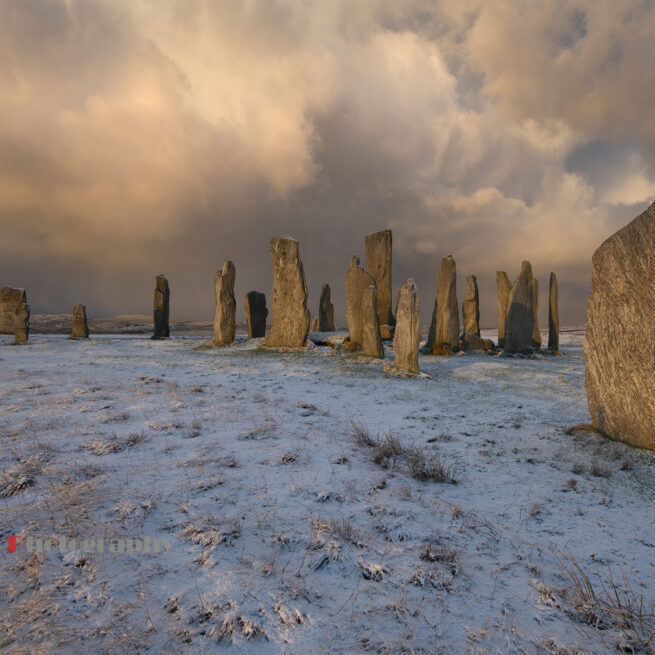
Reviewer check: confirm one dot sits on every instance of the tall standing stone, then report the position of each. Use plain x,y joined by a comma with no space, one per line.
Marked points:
553,315
358,282
10,299
378,264
290,314
371,340
325,311
256,313
519,326
407,335
620,341
471,306
80,325
21,323
443,337
225,324
504,287
161,308
313,324
536,334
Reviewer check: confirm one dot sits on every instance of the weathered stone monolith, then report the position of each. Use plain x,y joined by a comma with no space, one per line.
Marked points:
407,335
378,264
443,337
326,311
371,340
313,325
471,306
10,298
256,313
536,334
225,323
519,325
80,326
504,289
21,323
290,314
161,308
553,315
620,340
357,280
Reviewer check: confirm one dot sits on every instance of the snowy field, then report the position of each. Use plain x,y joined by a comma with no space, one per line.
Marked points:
283,528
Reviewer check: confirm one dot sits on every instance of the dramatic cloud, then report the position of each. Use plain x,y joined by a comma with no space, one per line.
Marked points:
143,137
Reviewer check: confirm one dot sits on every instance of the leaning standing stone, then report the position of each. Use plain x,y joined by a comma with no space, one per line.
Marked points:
21,323
161,308
80,326
10,299
256,313
471,306
225,325
407,336
553,316
371,341
443,338
378,264
620,342
290,314
504,289
519,327
326,311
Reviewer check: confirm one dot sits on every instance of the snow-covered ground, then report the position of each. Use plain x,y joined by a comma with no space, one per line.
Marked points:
283,533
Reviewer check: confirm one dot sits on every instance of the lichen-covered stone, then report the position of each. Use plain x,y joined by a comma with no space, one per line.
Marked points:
504,287
225,324
378,263
443,337
407,335
620,340
471,306
371,342
519,326
21,323
161,308
10,299
80,328
256,313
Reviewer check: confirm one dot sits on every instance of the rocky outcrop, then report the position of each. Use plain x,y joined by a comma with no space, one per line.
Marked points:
326,311
290,315
161,308
378,264
504,287
21,323
256,313
620,341
225,323
80,328
519,326
443,337
407,335
471,306
10,299
553,315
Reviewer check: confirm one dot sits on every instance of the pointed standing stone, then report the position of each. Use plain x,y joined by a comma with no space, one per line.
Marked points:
80,326
519,327
21,323
407,335
471,306
553,316
256,313
443,338
161,308
620,341
290,314
536,334
504,289
371,341
378,264
326,311
225,324
10,299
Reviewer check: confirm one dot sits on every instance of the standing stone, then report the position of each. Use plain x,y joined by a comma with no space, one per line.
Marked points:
504,287
407,335
10,299
290,314
225,324
80,326
519,325
256,313
21,323
357,282
326,311
378,264
161,308
620,342
553,316
471,306
536,334
371,342
313,326
443,337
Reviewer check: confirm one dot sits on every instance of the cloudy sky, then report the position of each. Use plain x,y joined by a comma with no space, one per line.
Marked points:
148,136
